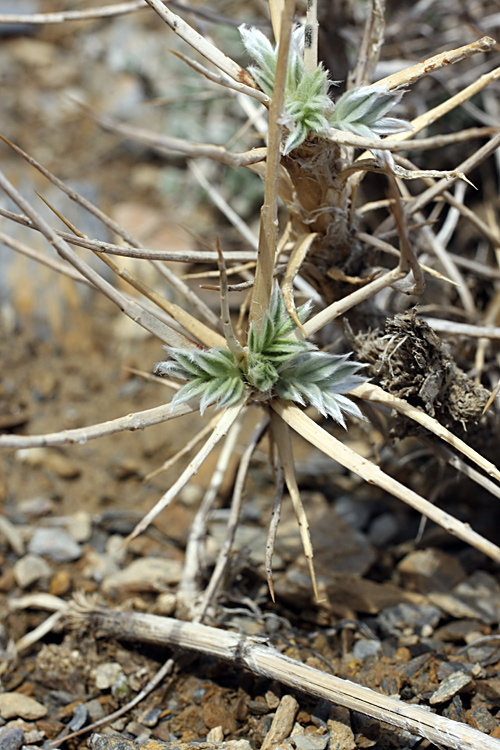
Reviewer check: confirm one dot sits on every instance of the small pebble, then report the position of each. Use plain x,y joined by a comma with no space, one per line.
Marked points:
56,544
149,717
310,741
364,649
34,507
60,583
341,736
216,735
31,568
11,738
79,718
407,617
456,683
12,534
107,674
80,526
95,710
145,574
19,706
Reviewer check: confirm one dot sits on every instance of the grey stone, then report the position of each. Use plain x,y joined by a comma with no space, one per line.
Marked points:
310,741
19,706
364,649
407,617
145,574
458,682
11,738
56,544
31,568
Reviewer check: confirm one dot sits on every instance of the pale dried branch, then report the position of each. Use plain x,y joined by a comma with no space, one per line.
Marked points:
232,522
166,144
281,437
231,341
386,247
371,392
311,36
187,448
105,11
138,420
131,308
194,559
408,76
229,416
55,265
223,206
297,257
98,246
273,527
268,235
360,295
373,39
221,80
182,288
189,323
264,660
372,474
463,329
202,45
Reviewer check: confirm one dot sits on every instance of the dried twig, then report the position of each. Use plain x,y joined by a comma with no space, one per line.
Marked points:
264,660
268,235
236,502
281,436
371,473
229,416
138,420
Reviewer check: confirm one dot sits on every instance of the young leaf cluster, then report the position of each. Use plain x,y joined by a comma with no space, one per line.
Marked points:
308,107
272,364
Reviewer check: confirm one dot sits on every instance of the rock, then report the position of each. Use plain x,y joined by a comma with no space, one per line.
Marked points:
215,735
34,507
108,674
19,706
145,574
310,741
482,592
364,649
80,526
430,570
60,583
79,718
490,689
56,544
404,618
11,738
12,534
341,736
95,710
458,682
383,529
31,568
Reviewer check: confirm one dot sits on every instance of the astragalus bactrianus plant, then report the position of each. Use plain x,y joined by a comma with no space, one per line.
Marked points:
318,150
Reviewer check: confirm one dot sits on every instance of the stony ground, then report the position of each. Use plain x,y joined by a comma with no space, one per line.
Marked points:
406,611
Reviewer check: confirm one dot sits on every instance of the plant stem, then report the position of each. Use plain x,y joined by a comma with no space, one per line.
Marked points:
268,234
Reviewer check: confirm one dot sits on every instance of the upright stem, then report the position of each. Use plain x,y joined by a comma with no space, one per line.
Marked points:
311,36
268,234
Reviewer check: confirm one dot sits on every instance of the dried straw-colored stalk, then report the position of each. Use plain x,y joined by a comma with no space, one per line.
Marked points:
268,234
313,433
264,660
